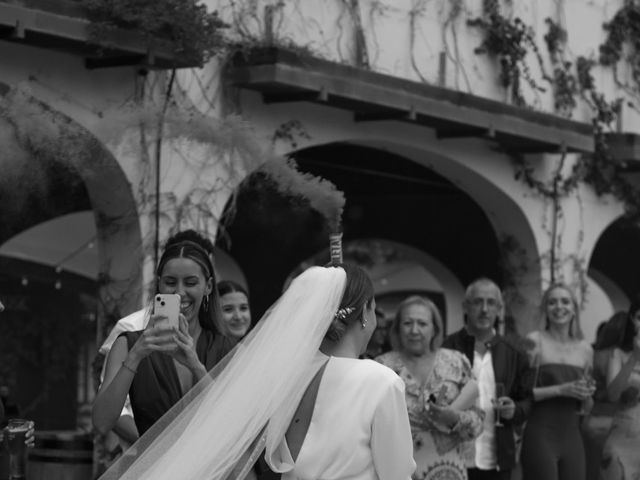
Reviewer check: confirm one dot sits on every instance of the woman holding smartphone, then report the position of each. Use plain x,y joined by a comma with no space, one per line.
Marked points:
158,365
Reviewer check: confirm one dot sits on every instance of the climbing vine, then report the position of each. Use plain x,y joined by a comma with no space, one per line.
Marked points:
193,33
510,41
623,43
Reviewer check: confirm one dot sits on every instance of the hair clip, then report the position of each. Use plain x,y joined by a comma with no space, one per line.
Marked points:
342,313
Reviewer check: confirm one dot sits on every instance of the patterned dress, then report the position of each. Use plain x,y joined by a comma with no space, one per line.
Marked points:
438,452
621,453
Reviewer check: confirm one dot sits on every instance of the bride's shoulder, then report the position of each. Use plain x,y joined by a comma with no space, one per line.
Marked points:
375,372
391,359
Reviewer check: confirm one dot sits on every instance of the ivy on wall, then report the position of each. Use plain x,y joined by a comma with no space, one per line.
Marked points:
187,26
512,42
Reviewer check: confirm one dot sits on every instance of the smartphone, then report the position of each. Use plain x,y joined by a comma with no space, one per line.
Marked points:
167,304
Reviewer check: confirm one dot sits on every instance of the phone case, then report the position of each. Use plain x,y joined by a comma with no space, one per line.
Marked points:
167,304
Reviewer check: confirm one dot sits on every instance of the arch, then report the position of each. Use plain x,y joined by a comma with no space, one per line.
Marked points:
500,212
615,254
521,274
43,135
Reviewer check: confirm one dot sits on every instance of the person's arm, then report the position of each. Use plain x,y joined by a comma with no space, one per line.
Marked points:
462,423
467,397
618,372
391,442
126,429
122,365
521,394
115,387
568,389
186,352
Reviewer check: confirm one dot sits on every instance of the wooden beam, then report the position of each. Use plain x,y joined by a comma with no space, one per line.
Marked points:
374,96
464,131
94,63
296,96
384,115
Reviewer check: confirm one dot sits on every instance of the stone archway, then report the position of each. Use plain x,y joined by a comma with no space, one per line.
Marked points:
485,215
40,141
613,277
472,165
493,233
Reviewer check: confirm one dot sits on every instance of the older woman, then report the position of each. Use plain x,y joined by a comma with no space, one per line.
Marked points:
440,391
620,459
552,446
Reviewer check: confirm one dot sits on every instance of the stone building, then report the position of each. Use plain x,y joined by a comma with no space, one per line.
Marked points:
460,132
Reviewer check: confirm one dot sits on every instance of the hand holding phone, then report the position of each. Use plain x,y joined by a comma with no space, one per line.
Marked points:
167,305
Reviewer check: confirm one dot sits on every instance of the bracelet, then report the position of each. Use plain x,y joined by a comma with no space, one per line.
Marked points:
132,370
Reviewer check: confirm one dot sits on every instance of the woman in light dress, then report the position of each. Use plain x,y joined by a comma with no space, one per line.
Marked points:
440,391
621,453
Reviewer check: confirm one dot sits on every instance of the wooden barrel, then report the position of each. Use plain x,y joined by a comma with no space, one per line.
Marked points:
61,456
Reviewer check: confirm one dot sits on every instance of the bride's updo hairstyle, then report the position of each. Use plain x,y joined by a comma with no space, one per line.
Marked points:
358,294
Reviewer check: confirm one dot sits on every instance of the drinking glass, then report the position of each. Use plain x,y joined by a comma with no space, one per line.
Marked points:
500,390
589,382
16,432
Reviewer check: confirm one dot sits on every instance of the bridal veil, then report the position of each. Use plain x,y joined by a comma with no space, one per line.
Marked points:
218,429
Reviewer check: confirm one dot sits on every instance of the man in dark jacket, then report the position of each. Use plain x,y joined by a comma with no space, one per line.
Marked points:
502,372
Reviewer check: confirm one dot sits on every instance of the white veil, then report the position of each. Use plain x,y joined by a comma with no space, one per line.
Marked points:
218,429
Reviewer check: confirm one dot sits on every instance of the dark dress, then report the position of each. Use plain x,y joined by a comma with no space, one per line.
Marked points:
156,386
552,447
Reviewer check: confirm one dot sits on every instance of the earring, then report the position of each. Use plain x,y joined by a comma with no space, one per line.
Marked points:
205,303
364,322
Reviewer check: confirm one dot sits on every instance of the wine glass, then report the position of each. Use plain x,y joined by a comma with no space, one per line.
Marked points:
588,380
500,391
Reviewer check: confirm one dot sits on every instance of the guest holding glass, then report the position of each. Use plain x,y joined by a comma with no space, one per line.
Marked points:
552,447
621,452
596,425
7,466
501,370
439,389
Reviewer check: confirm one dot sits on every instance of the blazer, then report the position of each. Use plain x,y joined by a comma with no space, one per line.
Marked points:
510,367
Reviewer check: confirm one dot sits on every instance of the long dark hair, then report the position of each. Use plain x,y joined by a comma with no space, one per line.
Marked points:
629,329
358,294
611,332
190,244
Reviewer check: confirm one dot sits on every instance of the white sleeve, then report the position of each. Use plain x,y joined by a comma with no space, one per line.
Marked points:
391,442
126,408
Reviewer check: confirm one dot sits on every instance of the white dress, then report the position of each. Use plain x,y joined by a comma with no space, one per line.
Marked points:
359,429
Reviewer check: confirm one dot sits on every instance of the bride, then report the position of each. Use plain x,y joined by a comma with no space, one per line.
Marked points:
294,386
